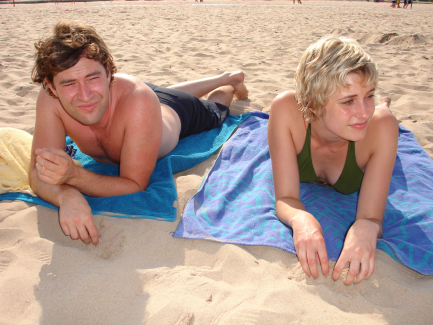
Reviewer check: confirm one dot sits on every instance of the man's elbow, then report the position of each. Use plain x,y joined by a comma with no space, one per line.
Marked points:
33,180
141,187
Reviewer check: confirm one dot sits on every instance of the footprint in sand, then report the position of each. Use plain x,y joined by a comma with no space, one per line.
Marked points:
6,259
112,241
9,237
37,249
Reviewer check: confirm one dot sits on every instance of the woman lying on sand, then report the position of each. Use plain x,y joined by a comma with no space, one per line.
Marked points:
329,132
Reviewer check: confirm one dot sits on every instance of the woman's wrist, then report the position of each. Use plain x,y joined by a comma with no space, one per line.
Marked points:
374,225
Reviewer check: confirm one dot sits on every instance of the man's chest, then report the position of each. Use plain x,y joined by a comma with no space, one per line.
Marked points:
105,147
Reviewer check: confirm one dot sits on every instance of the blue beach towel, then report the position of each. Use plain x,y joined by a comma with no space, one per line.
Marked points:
235,203
158,200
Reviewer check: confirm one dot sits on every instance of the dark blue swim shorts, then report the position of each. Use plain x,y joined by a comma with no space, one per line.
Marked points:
196,115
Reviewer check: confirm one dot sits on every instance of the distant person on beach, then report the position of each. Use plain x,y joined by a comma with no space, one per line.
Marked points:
114,118
407,3
329,132
299,1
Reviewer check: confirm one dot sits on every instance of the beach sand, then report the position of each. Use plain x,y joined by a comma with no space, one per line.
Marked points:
139,274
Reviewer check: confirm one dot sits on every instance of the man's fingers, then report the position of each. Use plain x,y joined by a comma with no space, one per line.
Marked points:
50,153
44,171
46,154
47,176
45,166
74,232
94,233
84,235
65,229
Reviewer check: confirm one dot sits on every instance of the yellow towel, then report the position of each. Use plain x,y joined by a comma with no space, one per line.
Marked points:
15,150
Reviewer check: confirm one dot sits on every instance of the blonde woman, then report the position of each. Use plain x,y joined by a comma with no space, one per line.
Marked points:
329,132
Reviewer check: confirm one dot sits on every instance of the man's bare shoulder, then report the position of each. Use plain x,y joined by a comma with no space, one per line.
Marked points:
130,93
126,85
47,102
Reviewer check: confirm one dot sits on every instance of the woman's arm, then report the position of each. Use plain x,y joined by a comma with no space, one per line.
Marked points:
286,120
361,240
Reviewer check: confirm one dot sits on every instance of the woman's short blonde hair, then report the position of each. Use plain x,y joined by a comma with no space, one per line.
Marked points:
323,69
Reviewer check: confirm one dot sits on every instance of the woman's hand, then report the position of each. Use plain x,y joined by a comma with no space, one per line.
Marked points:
359,251
309,244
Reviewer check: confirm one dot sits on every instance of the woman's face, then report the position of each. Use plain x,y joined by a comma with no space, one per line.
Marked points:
348,112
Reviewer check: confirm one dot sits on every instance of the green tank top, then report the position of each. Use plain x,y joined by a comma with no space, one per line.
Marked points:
350,179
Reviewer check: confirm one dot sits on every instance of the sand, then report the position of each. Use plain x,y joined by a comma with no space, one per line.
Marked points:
139,274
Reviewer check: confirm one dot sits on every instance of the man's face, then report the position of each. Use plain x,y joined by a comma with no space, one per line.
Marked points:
83,90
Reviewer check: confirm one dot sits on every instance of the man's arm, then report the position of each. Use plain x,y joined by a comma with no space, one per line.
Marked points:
75,215
49,133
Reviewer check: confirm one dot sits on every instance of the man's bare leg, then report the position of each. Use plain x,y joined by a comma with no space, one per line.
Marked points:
222,95
201,87
171,124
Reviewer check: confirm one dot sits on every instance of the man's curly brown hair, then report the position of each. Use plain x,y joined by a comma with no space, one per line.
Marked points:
69,42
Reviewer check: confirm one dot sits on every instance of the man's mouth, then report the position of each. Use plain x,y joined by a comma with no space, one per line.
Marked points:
88,107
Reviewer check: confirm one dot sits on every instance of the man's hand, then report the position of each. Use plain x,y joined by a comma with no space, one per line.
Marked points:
310,245
359,252
76,218
55,166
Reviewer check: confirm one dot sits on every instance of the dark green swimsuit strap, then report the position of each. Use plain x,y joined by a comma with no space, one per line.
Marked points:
350,179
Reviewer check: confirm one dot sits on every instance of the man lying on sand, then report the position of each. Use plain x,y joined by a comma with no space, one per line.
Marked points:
114,118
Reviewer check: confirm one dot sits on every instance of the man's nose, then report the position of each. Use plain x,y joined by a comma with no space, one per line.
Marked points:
84,92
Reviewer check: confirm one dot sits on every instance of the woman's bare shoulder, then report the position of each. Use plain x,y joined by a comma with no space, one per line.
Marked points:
383,123
286,120
382,133
286,105
284,99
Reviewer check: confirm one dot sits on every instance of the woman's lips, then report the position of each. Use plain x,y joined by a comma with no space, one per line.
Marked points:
359,125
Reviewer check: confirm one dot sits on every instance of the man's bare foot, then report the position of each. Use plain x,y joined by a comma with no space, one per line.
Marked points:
236,80
385,101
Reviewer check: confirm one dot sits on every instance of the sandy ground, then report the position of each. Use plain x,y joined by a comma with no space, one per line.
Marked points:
139,274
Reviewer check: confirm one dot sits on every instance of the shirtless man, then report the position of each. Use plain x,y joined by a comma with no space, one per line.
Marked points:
114,118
